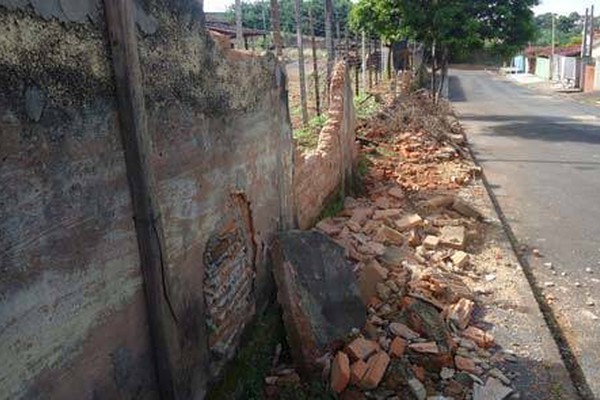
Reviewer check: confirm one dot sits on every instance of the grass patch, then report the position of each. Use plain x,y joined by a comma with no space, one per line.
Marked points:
308,137
366,106
362,168
334,207
244,378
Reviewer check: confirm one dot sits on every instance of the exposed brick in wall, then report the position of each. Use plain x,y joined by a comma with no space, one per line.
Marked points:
322,173
229,279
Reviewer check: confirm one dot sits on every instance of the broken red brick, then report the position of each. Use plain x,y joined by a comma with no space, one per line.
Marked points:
453,236
397,193
460,259
340,372
466,364
357,372
428,347
408,222
329,226
376,367
460,313
397,347
386,234
370,275
419,372
386,214
399,329
481,338
431,242
361,348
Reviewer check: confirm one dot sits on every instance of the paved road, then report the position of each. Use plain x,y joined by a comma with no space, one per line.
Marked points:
541,156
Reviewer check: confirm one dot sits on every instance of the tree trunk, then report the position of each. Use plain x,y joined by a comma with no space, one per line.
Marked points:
364,60
433,71
329,39
389,63
444,72
301,72
239,30
276,28
315,61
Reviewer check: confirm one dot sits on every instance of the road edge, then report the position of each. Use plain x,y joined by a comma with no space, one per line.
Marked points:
568,358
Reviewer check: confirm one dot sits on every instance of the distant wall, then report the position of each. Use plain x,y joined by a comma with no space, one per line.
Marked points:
322,173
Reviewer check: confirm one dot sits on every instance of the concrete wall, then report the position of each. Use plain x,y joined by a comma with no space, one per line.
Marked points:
321,174
73,315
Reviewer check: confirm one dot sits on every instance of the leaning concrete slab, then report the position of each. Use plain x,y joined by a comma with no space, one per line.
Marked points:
318,293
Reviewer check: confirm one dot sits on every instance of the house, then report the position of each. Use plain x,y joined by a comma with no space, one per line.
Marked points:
564,68
219,23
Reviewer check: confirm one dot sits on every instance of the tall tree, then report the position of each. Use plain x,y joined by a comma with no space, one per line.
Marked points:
456,27
276,28
238,25
300,40
252,12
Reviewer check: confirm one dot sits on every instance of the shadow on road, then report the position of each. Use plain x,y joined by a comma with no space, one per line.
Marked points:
552,129
455,89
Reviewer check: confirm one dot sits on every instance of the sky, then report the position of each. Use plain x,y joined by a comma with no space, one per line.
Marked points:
217,5
565,6
557,6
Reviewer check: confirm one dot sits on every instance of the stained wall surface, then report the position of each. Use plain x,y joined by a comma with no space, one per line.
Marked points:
73,313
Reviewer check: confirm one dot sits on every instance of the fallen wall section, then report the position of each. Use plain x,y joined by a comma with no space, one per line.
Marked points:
323,173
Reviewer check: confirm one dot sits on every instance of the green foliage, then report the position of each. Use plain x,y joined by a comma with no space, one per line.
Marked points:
378,18
247,372
257,15
567,32
334,208
366,106
308,137
455,27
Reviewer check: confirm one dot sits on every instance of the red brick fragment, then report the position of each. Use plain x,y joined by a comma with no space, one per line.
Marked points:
340,372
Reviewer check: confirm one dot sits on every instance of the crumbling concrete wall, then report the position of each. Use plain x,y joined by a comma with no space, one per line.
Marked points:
73,315
323,173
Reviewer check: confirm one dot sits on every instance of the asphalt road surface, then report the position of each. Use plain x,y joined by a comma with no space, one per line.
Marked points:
541,157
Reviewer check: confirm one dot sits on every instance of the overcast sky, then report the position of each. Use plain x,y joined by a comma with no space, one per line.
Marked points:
557,6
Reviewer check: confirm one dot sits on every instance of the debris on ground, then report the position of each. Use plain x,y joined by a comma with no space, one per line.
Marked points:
409,240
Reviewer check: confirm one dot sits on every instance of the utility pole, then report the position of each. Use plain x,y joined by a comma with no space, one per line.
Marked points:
239,37
584,49
591,32
553,46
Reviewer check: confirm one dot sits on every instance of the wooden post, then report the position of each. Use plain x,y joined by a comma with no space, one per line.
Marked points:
134,135
364,60
329,40
301,66
276,28
315,63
